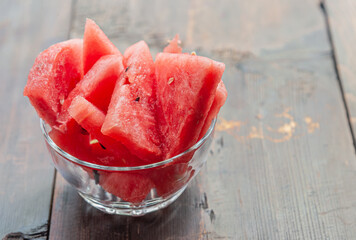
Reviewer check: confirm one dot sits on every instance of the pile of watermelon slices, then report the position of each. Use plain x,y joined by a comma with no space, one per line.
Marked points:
117,109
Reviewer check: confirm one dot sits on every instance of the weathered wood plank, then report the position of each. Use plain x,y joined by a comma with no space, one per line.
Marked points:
26,175
283,160
342,20
85,222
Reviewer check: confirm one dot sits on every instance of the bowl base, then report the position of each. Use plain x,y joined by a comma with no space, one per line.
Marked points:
128,209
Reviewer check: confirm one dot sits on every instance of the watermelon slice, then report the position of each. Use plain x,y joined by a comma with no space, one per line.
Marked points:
75,141
96,86
186,86
131,118
54,74
91,119
96,45
173,46
219,100
129,186
171,178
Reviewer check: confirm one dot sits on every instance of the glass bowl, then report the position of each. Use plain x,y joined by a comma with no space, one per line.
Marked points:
133,191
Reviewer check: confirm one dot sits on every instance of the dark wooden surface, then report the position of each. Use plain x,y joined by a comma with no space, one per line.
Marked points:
26,175
283,164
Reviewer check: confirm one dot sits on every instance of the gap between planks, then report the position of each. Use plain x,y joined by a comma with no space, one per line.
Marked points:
324,10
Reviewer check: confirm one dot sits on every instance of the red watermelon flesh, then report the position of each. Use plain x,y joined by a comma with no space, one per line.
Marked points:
96,86
54,74
173,46
102,155
139,65
91,119
219,100
75,141
171,178
186,86
96,45
131,117
129,186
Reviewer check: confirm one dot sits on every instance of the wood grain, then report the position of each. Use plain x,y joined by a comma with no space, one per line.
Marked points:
341,16
81,221
283,161
26,175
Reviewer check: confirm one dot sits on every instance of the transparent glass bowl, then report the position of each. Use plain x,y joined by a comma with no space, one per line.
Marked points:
132,191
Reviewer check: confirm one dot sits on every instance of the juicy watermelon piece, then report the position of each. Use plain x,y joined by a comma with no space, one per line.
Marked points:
173,46
140,65
131,116
186,86
219,100
75,141
54,74
129,186
96,86
96,45
171,178
102,155
91,119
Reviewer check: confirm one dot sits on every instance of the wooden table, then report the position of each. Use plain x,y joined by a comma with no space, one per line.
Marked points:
283,164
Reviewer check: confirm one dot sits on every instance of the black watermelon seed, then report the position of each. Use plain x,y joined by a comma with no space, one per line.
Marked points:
83,131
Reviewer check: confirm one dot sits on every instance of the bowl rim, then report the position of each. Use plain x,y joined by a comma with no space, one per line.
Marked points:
71,158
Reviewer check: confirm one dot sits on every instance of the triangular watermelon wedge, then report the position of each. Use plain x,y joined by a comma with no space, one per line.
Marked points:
131,117
96,45
54,74
219,100
186,86
91,119
96,86
173,46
